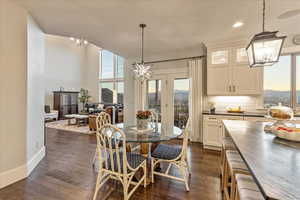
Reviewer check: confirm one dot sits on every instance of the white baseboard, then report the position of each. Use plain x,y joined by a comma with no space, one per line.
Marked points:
35,160
21,172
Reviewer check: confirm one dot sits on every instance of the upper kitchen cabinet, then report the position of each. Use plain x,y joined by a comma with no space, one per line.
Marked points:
228,71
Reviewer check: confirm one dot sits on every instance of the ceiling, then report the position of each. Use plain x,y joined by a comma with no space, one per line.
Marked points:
175,28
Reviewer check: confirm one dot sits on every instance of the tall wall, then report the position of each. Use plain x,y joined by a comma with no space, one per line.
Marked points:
91,71
64,66
13,67
21,65
35,90
70,66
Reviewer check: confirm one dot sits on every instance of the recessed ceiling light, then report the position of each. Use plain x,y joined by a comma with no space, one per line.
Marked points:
237,24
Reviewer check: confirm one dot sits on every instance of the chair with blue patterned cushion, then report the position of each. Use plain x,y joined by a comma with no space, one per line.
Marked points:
176,156
115,162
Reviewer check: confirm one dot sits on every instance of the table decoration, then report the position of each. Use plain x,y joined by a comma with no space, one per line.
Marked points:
142,119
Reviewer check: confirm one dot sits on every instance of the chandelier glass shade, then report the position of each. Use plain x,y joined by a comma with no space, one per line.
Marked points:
141,70
265,47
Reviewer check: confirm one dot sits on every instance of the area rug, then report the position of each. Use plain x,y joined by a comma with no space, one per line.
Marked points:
63,125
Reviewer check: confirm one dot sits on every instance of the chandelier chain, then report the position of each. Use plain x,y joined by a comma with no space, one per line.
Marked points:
264,15
142,44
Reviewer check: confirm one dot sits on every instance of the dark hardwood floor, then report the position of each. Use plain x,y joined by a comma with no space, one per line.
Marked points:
66,173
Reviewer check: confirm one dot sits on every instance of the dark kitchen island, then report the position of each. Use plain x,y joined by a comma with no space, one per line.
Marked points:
274,163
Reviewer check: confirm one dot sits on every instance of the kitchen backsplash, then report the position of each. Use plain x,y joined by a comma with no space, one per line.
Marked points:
247,103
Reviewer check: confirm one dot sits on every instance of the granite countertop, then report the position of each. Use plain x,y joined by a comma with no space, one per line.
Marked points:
246,114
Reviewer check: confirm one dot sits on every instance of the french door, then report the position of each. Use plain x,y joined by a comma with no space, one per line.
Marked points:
169,96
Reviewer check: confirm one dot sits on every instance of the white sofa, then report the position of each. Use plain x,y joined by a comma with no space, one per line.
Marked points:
52,115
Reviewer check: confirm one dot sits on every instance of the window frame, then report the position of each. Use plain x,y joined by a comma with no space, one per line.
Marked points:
115,80
293,85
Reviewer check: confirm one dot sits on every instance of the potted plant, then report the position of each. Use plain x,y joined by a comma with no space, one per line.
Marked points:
142,119
84,98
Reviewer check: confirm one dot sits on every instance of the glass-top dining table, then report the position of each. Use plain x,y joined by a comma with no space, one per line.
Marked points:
159,133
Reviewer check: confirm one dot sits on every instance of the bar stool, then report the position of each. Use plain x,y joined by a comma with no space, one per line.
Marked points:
246,188
234,165
227,144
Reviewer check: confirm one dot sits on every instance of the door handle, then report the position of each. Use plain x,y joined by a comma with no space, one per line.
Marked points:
229,88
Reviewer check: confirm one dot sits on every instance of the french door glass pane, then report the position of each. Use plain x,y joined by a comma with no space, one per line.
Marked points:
107,92
120,67
277,83
181,102
298,79
107,66
120,92
154,95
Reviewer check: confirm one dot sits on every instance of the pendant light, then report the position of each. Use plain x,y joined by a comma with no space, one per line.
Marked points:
142,71
265,47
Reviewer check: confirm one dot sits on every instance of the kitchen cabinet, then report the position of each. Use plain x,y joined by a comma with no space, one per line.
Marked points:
212,133
228,72
213,130
246,80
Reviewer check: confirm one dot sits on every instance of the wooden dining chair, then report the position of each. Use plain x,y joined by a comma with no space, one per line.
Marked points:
174,156
115,162
102,119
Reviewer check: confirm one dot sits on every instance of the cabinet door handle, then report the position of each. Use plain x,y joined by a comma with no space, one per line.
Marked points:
233,88
212,118
229,88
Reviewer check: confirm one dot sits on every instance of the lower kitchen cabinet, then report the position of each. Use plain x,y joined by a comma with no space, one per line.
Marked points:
212,133
213,130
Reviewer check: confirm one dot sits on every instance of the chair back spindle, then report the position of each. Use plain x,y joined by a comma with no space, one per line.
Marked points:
111,142
186,135
102,119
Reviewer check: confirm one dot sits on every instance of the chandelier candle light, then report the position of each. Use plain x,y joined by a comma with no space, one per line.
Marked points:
142,71
265,47
79,42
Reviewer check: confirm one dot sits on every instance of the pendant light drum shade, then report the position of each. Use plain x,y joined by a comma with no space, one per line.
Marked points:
264,49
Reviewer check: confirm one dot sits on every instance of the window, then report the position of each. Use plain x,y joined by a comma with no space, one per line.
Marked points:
111,78
107,70
281,82
181,102
277,83
154,95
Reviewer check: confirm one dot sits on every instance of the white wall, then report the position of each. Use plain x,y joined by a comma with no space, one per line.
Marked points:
64,66
129,93
13,41
35,89
70,66
91,71
21,64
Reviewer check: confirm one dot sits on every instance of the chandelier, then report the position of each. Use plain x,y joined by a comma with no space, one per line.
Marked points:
79,41
265,47
142,71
